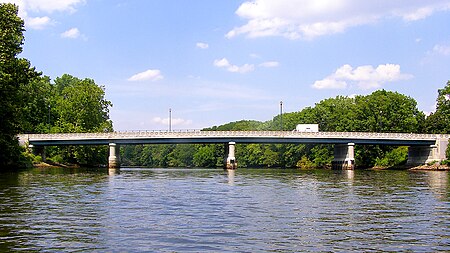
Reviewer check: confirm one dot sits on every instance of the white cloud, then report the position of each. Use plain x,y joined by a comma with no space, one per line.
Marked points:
31,10
202,45
330,83
50,6
270,64
307,19
174,121
38,23
224,63
151,74
71,33
364,77
441,49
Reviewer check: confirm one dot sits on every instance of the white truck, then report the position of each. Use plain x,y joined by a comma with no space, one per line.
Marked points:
307,128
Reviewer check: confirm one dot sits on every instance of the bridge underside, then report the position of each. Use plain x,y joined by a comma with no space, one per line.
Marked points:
344,155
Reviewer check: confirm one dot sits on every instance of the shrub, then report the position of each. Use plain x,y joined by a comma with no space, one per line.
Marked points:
397,156
305,163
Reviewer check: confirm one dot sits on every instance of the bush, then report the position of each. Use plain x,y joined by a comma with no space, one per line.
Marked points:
395,157
56,159
305,163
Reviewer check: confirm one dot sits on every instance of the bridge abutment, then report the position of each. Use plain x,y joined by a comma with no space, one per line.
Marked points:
344,156
421,155
230,161
114,156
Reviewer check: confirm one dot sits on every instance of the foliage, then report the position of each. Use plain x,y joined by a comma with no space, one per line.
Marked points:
204,157
385,111
439,121
243,125
397,156
15,74
305,163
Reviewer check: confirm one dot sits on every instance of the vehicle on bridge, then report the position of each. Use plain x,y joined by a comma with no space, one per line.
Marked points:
307,128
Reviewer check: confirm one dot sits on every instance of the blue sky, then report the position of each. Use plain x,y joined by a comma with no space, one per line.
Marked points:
214,62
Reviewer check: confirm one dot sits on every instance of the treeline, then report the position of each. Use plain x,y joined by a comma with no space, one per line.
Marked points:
381,111
32,103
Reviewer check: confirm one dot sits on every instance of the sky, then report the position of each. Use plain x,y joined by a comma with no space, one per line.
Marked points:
214,62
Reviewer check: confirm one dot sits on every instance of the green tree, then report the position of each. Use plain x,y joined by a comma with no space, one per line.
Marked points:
439,121
37,112
74,105
15,74
386,111
205,156
81,106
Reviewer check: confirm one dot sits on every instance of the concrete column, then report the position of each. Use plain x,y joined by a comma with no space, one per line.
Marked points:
231,163
344,156
114,156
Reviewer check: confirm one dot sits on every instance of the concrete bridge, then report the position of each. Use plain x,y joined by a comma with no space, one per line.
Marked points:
423,148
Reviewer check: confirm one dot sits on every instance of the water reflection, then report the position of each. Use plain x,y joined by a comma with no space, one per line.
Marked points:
438,182
231,174
113,172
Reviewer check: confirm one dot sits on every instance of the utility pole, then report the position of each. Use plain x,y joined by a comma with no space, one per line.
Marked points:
281,115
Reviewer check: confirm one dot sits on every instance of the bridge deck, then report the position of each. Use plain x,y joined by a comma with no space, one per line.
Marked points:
165,137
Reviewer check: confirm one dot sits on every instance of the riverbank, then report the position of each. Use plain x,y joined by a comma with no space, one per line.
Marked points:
433,167
55,165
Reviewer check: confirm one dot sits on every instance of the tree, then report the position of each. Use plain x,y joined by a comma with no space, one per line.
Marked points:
81,106
205,156
386,111
439,121
15,74
71,105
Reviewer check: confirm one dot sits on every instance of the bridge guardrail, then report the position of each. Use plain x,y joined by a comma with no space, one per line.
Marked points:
227,134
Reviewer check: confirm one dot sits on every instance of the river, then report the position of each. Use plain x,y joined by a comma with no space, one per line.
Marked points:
209,210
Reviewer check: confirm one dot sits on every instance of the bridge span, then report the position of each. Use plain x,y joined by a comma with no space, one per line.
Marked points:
423,148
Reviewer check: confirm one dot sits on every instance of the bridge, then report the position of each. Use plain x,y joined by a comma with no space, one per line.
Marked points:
423,148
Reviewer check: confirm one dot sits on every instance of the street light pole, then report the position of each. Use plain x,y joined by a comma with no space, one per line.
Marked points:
170,119
48,115
281,115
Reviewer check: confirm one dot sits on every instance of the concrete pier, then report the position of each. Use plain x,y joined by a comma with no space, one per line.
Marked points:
344,156
230,163
114,156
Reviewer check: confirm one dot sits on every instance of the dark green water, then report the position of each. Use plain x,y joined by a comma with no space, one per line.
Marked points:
185,210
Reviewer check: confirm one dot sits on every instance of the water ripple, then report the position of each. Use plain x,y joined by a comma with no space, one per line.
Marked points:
167,210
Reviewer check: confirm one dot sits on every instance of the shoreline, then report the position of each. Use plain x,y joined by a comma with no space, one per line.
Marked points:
434,167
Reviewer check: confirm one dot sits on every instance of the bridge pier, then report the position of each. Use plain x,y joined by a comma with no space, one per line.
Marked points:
421,155
114,156
230,162
344,156
38,150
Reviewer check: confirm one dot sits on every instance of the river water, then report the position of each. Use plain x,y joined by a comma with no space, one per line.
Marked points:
205,210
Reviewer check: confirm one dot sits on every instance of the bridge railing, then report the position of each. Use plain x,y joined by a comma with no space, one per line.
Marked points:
260,134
